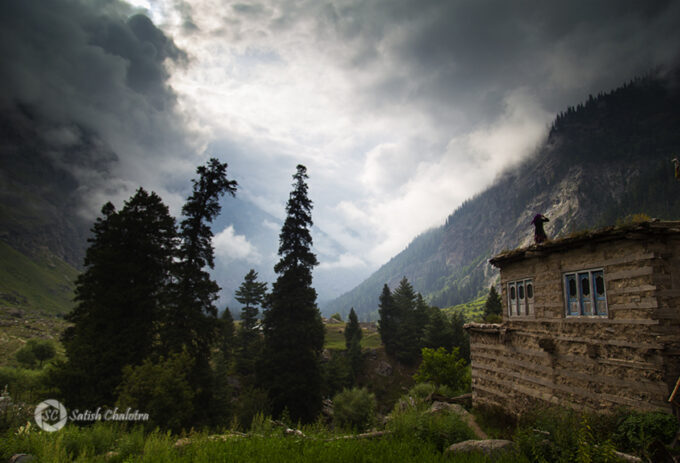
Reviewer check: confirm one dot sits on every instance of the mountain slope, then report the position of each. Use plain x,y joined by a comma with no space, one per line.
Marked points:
42,283
602,160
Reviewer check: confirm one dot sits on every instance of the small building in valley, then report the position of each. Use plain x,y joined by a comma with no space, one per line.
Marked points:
590,321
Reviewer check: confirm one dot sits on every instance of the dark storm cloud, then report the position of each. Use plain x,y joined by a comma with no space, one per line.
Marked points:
444,55
91,79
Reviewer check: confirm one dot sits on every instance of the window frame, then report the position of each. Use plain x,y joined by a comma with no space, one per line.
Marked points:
592,304
521,305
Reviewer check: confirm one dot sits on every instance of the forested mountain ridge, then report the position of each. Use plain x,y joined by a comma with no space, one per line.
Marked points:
602,160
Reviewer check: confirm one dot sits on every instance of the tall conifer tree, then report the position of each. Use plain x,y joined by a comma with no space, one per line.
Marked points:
190,322
389,320
119,296
353,342
293,330
410,311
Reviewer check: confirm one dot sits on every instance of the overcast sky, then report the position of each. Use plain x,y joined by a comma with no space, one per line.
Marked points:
400,109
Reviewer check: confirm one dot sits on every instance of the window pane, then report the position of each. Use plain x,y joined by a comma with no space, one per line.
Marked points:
572,287
512,292
585,285
521,292
530,290
599,285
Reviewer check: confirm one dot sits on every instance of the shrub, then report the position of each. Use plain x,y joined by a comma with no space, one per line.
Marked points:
438,429
354,408
12,414
160,389
422,390
561,435
637,431
35,351
251,404
24,385
443,368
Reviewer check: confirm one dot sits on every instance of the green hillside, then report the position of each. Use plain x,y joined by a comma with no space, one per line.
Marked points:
43,283
472,310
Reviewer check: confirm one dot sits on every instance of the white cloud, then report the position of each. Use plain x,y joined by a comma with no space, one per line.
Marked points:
345,260
271,225
230,246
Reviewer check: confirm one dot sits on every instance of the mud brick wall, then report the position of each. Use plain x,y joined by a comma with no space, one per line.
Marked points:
628,358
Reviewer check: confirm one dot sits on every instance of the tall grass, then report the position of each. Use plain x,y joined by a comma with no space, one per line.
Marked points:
111,443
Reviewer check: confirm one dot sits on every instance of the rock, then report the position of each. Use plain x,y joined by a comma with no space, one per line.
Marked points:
21,458
327,408
467,417
293,432
465,399
384,369
489,447
371,354
182,441
627,458
438,407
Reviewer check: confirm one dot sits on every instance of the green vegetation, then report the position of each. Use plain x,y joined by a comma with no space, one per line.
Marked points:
403,318
471,311
335,336
41,283
354,409
160,388
36,352
492,307
102,442
444,369
414,430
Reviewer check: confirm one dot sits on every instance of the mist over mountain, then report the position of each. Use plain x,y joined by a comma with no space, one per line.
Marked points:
603,159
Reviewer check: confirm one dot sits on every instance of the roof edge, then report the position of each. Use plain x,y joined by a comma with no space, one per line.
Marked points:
633,230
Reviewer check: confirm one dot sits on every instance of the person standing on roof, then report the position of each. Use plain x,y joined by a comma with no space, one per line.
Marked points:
539,232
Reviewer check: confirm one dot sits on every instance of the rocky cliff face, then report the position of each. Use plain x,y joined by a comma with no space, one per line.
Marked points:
603,160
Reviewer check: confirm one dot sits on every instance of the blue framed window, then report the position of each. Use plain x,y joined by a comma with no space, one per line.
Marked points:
585,293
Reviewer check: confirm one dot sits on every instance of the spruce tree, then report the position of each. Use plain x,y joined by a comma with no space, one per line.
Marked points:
190,321
492,306
119,297
411,311
438,332
352,329
389,320
353,343
293,330
251,294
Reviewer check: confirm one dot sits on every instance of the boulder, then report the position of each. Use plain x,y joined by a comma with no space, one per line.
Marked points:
21,458
489,447
439,407
384,369
467,417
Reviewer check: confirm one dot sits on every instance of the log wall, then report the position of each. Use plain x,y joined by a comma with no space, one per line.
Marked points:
628,358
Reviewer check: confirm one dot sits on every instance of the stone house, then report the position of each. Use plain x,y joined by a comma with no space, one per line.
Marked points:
591,321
